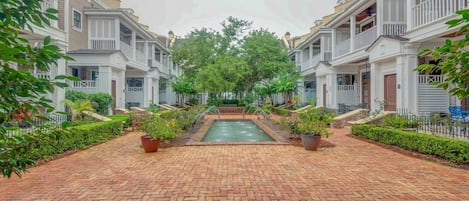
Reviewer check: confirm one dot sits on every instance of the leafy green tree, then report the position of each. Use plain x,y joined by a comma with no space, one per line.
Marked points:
265,56
454,64
20,90
183,86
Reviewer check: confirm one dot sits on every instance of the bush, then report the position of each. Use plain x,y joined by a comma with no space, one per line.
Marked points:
184,118
123,118
103,100
456,151
230,101
398,121
61,140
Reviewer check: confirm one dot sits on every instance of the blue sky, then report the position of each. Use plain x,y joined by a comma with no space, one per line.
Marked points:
181,16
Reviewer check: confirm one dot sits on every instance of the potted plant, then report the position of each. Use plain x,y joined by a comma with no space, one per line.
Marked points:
311,125
157,130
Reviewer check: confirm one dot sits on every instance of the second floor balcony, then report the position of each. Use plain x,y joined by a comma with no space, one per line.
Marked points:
425,12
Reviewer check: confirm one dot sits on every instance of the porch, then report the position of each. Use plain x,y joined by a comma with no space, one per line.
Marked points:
425,12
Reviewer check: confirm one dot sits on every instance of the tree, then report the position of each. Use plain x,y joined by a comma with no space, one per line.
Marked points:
454,59
183,86
21,91
265,56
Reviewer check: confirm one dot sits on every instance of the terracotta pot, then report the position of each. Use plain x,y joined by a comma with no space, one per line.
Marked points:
150,145
311,142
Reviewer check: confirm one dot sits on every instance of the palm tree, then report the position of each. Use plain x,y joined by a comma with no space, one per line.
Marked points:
78,106
286,83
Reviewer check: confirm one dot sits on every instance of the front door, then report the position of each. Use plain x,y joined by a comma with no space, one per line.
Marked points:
113,93
324,92
390,92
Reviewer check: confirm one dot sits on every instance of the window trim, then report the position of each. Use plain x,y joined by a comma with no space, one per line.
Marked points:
73,20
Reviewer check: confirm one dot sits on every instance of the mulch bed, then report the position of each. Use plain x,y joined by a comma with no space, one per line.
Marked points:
414,154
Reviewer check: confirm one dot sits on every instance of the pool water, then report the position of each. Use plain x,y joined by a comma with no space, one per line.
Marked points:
235,131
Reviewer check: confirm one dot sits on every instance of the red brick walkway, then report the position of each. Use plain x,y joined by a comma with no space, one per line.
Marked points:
352,170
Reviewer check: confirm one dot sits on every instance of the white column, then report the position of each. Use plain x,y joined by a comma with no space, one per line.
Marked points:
169,94
375,94
407,96
147,83
310,55
322,48
379,16
334,38
117,33
59,93
120,90
104,79
353,31
410,14
157,91
145,50
134,45
331,87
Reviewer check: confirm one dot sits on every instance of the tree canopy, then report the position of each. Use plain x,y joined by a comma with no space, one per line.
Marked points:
232,60
20,91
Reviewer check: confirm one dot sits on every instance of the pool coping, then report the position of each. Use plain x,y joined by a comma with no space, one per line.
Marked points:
196,139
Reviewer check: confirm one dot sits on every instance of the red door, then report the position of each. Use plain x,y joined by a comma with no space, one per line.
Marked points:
390,92
113,93
324,92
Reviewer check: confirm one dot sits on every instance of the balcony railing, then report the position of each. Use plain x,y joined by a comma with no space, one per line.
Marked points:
315,60
306,64
103,44
431,10
365,38
45,75
84,84
394,29
342,48
140,56
427,79
126,50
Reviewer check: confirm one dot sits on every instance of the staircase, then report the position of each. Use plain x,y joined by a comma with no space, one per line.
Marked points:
343,120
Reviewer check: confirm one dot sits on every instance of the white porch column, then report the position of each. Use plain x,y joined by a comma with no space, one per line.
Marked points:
331,90
117,33
379,16
353,31
134,45
169,93
120,89
145,50
410,14
375,93
334,38
156,99
59,93
104,79
147,83
322,49
310,55
407,79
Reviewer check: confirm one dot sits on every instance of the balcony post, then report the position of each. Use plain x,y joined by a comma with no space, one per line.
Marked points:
321,48
145,50
379,17
134,45
353,31
310,55
334,38
410,14
117,37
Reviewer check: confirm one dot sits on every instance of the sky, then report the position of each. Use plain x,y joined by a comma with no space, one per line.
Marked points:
182,16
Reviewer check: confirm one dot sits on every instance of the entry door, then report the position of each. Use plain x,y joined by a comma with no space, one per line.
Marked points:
113,93
324,92
390,92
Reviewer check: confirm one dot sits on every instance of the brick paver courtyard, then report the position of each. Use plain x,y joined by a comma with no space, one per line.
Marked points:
352,170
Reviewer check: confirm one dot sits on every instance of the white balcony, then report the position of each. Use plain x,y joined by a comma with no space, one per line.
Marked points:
394,29
126,50
428,11
44,75
103,44
46,4
86,84
365,38
342,48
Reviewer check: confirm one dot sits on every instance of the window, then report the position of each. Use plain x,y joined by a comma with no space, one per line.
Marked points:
135,82
75,72
76,24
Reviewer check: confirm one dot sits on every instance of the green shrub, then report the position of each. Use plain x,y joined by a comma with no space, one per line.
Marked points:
122,117
58,141
103,100
398,121
184,118
456,151
230,101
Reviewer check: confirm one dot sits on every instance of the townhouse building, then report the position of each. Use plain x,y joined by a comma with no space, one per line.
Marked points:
373,50
113,53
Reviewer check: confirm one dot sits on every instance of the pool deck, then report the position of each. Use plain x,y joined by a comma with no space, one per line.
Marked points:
352,170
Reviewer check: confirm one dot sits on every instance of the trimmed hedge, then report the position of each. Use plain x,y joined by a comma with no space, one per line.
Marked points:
78,137
456,151
122,117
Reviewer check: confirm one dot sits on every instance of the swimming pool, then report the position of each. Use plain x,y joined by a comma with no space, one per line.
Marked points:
235,131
